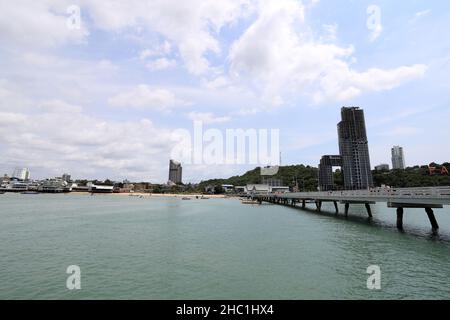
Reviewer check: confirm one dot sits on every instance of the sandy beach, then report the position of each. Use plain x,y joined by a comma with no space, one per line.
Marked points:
158,195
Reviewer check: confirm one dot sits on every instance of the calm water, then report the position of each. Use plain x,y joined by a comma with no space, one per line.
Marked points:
162,248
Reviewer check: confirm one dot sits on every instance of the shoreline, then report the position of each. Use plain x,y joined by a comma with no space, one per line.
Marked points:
154,195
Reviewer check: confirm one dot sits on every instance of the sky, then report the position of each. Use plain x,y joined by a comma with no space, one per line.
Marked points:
101,89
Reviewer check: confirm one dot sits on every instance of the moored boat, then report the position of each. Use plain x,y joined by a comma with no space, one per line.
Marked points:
249,202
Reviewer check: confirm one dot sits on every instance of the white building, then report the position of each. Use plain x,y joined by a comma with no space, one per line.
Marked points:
21,174
398,158
228,188
264,188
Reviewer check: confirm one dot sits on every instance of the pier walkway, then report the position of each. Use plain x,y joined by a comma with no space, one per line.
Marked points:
400,198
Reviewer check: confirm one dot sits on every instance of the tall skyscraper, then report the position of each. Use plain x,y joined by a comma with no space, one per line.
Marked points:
175,172
354,149
353,155
21,173
398,159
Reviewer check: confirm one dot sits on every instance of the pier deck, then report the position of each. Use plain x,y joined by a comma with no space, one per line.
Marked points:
400,198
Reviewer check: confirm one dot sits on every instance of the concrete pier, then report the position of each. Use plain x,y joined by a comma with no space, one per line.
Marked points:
401,198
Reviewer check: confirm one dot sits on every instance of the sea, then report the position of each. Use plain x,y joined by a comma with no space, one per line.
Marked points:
124,247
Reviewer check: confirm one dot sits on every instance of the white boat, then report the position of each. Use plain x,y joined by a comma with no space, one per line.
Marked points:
249,201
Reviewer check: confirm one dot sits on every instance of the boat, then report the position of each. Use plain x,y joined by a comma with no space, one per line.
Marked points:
249,202
185,198
29,192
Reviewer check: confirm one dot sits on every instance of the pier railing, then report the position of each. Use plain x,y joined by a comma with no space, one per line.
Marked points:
431,195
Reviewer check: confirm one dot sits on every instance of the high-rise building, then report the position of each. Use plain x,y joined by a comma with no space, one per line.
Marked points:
66,177
21,174
175,172
326,178
353,155
354,149
398,158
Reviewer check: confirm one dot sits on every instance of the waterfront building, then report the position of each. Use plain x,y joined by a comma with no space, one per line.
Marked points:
398,158
240,189
382,167
66,177
14,186
175,172
228,188
253,189
5,180
21,174
353,155
101,188
56,185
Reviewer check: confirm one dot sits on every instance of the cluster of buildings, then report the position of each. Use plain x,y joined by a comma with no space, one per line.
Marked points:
353,157
398,160
20,181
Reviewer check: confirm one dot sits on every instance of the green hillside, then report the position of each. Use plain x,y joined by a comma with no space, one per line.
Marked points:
306,177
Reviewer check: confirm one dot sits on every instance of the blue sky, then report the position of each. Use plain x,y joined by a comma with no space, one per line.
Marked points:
103,100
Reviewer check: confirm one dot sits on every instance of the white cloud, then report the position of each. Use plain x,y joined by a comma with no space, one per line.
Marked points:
423,13
190,25
278,59
330,32
161,64
38,23
344,83
145,97
420,15
159,50
207,117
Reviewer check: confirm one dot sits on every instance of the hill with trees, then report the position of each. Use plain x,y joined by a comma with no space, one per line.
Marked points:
306,177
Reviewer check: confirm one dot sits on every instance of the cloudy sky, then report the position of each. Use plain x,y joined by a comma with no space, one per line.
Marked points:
102,99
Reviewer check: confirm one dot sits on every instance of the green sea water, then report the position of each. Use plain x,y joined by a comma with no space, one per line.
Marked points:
167,248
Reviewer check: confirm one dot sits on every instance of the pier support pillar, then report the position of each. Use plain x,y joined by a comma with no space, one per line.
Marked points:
347,205
303,204
336,207
432,218
400,218
319,205
369,211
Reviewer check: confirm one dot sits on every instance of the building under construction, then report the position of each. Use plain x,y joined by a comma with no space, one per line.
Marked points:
354,156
